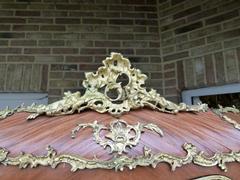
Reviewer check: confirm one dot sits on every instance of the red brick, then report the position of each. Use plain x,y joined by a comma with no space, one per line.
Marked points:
38,35
65,50
152,16
41,6
139,2
209,67
56,75
44,78
145,8
222,17
80,14
121,21
170,83
108,14
51,43
81,7
187,12
220,71
180,75
36,51
52,28
146,22
48,13
40,20
23,42
153,37
25,27
156,75
5,27
107,43
6,13
14,6
121,8
63,67
88,67
133,15
78,59
10,50
92,51
122,51
74,75
170,74
62,83
176,56
125,36
27,13
169,66
67,20
171,91
94,36
20,58
12,20
94,21
4,43
55,92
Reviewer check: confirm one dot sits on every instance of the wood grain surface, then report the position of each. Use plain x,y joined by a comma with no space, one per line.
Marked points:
205,130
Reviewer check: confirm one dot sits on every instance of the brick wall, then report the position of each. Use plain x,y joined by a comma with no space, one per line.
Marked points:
47,45
200,44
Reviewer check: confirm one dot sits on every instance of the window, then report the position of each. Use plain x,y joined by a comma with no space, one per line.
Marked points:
13,100
226,95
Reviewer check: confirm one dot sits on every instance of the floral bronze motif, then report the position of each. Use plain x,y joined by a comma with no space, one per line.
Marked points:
121,135
117,78
122,161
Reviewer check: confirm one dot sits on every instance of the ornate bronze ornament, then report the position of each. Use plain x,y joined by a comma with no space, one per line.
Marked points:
119,162
100,88
115,88
120,136
223,110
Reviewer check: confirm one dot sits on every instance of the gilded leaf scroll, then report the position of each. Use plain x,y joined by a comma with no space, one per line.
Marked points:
220,112
120,134
119,162
130,93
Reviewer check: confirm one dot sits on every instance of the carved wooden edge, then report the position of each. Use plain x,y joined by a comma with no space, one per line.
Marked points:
119,162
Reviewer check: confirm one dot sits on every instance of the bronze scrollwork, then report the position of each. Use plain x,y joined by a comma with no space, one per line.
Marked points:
120,134
220,112
119,162
129,94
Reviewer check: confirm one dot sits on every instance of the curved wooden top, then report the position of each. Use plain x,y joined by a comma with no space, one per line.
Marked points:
205,130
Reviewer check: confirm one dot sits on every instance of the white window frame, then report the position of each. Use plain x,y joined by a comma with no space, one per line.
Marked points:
13,99
191,97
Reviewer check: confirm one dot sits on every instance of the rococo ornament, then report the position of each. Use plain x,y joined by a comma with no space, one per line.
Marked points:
220,112
115,88
120,135
119,162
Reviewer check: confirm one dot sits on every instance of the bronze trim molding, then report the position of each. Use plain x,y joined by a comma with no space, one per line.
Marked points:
119,162
220,112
